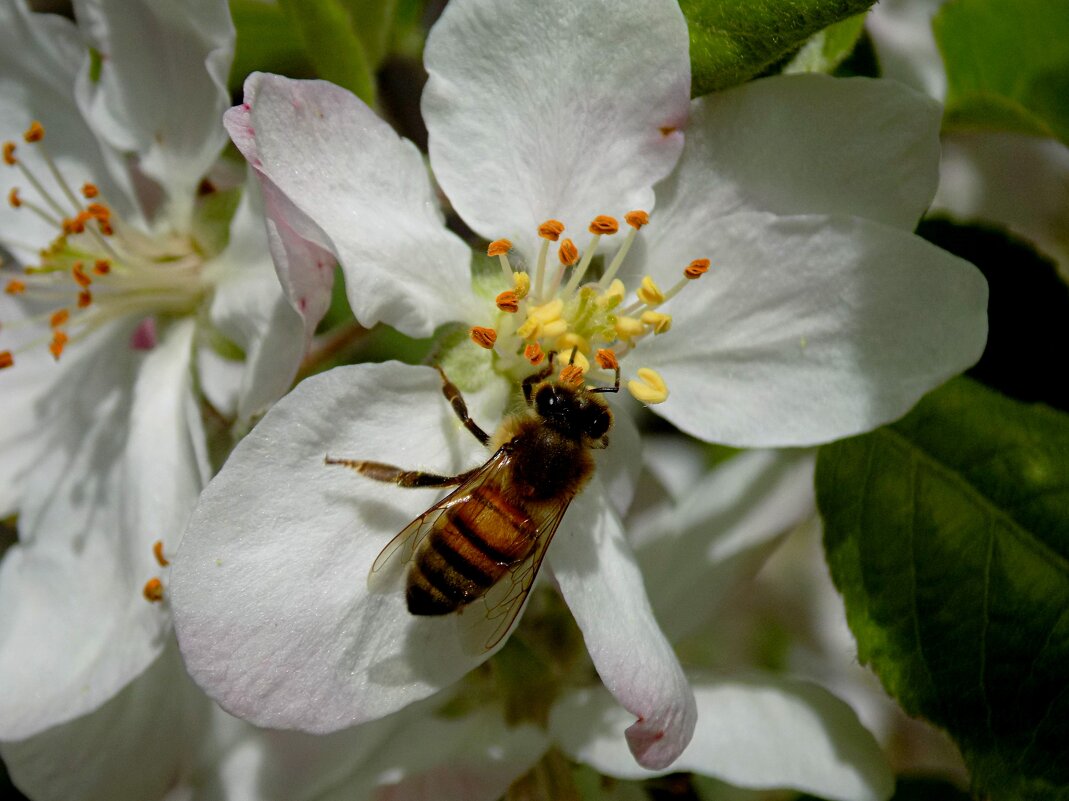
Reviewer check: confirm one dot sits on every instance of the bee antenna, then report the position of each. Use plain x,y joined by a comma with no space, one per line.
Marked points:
571,359
614,388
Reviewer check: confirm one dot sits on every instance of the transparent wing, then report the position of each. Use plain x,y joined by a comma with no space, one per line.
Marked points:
388,570
485,621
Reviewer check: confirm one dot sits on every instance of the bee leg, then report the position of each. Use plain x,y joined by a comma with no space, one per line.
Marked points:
456,400
399,476
534,378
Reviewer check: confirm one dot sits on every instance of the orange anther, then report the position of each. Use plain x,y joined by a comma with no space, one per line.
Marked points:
72,225
59,341
508,302
572,374
98,210
84,298
9,154
105,228
696,269
606,359
6,359
153,590
534,353
499,247
79,276
157,551
15,287
13,197
568,253
551,230
603,224
636,219
35,133
89,191
59,317
102,267
483,337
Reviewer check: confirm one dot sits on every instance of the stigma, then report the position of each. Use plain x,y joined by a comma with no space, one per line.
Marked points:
97,268
570,305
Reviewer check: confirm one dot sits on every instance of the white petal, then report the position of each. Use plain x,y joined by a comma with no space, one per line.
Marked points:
162,85
554,109
601,583
720,532
139,745
352,187
763,731
901,32
269,589
121,474
808,329
798,144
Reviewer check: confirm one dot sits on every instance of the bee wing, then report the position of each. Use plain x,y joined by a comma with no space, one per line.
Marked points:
388,570
485,621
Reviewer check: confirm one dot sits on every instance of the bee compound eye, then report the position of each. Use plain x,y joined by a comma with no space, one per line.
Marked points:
547,401
598,424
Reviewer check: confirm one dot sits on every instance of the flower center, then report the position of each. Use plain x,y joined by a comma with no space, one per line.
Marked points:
98,268
556,311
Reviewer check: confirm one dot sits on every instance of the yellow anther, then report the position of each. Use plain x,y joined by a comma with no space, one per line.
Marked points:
157,551
636,219
572,374
534,353
9,154
85,297
521,283
508,302
35,133
604,225
570,340
649,293
606,359
530,330
649,388
555,328
547,312
614,294
499,247
59,317
79,275
13,197
6,359
629,328
153,590
658,322
15,287
568,253
551,229
483,337
89,191
59,341
696,269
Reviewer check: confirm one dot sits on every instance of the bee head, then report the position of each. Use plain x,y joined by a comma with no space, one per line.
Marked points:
572,411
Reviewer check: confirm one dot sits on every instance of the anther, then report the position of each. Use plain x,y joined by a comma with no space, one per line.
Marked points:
79,275
153,590
89,191
59,341
102,267
9,154
99,211
534,353
35,133
606,359
85,297
508,302
15,287
551,230
659,322
604,225
649,293
521,283
59,317
696,269
6,359
157,551
13,197
636,219
499,247
572,374
649,388
568,253
483,337
566,342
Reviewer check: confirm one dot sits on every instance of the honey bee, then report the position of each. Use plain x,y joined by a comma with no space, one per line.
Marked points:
478,550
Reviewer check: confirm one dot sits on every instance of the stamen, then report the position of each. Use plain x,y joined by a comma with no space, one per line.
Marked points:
79,276
636,219
35,133
602,225
501,248
649,293
572,374
696,268
59,341
568,253
59,317
89,191
571,340
534,353
6,359
102,267
15,287
157,551
649,388
657,321
84,299
13,197
483,337
629,328
521,283
551,230
9,154
606,359
508,302
153,590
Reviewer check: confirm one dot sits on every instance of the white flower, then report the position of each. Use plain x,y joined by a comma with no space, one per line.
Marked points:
135,270
820,316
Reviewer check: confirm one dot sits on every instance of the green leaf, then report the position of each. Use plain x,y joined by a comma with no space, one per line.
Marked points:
372,21
265,42
337,53
827,49
732,41
1007,64
948,536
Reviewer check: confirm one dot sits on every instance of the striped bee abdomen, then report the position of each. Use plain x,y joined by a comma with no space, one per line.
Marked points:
467,551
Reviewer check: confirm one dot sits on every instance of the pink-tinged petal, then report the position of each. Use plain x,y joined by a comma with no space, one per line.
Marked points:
554,109
339,180
760,731
600,580
269,589
809,329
